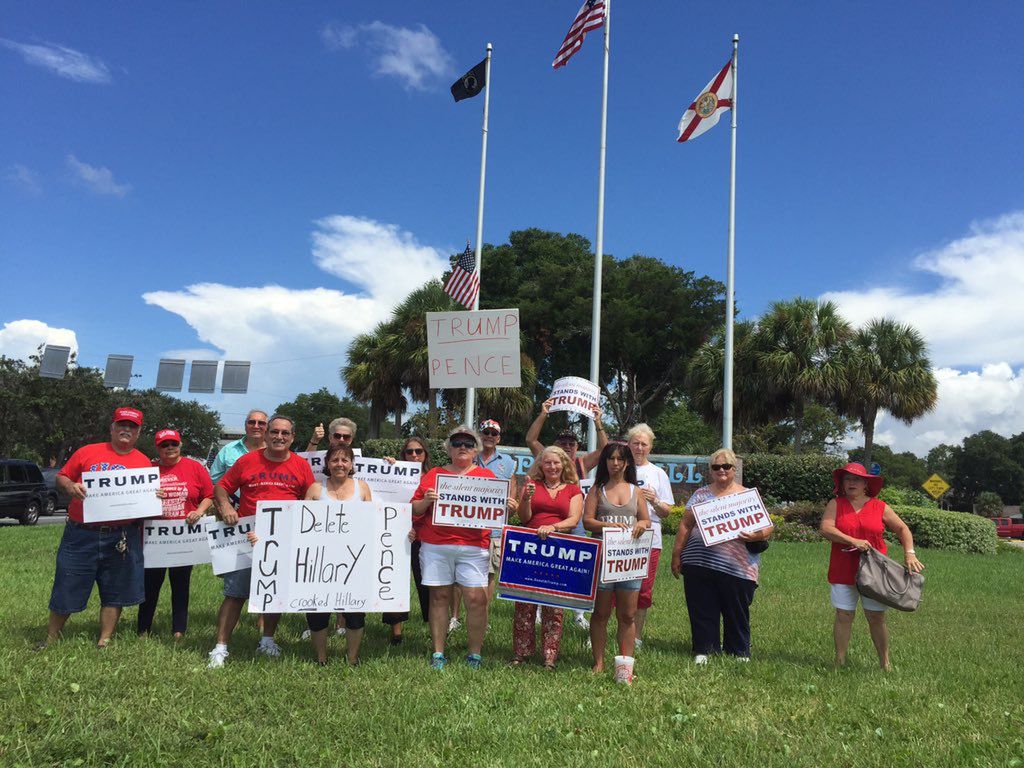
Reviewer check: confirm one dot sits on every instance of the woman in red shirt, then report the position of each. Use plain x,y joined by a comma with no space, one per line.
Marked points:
556,507
854,521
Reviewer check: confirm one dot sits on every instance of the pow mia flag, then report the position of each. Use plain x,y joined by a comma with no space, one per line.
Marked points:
471,83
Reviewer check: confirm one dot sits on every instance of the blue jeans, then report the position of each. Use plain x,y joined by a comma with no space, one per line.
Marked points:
88,556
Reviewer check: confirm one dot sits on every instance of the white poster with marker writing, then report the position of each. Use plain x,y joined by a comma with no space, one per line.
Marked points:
575,395
173,543
121,494
624,558
726,517
471,502
230,549
474,349
328,556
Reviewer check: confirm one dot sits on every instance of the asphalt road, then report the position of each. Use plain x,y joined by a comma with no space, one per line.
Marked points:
58,518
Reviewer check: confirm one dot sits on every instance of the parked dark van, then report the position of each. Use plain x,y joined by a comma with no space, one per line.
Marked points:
23,493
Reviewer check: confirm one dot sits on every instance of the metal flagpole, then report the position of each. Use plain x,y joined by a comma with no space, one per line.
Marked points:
730,285
595,319
471,393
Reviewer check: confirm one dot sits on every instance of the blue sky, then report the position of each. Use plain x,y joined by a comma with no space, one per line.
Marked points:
264,181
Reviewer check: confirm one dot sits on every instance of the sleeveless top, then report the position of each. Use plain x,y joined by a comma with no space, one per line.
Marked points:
866,524
325,497
731,557
607,512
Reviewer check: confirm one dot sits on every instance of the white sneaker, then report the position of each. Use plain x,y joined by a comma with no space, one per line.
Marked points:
454,624
217,658
306,634
269,649
536,619
581,622
744,659
638,644
340,631
700,659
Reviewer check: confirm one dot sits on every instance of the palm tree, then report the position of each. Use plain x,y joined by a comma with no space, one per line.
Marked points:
373,374
511,406
798,350
889,370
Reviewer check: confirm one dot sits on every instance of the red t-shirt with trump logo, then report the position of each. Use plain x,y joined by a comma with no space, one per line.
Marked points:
257,478
185,485
99,457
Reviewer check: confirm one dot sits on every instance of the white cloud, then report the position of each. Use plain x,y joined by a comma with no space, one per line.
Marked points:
24,178
62,61
413,55
21,338
975,315
99,179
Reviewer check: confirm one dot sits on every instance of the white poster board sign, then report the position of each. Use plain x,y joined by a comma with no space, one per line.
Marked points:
474,349
471,502
624,558
230,550
390,482
575,395
121,494
327,556
725,518
173,543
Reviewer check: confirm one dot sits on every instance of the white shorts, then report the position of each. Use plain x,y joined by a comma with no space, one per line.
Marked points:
845,596
445,564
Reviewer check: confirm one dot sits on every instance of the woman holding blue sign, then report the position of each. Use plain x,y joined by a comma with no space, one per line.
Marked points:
615,502
554,508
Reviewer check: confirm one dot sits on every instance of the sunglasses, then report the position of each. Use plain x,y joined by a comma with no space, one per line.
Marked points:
169,444
716,467
414,451
490,433
255,423
341,436
463,444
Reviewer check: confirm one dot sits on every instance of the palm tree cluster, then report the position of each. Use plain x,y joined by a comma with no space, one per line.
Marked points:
802,352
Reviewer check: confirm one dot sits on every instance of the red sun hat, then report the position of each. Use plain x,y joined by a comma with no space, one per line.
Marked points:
167,434
875,482
134,415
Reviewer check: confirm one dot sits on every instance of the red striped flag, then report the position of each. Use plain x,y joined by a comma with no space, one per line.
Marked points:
705,111
464,283
589,18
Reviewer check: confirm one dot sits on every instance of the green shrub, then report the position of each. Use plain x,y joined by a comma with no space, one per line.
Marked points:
792,530
907,497
391,446
957,531
670,522
791,478
988,504
806,513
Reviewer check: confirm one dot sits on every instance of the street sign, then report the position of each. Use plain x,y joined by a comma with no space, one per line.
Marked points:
876,468
935,486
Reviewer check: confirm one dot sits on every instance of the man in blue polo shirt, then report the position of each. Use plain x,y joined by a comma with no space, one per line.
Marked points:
254,440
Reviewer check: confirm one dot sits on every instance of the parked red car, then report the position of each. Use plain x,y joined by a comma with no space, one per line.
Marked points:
1008,528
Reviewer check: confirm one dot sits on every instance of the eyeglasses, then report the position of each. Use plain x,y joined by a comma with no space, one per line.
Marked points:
716,467
255,423
344,437
282,432
169,444
462,444
490,433
414,451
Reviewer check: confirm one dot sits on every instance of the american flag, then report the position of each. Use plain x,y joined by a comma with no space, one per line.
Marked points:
590,17
464,283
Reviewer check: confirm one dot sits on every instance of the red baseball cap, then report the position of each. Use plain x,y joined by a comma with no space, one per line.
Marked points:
134,415
167,434
490,424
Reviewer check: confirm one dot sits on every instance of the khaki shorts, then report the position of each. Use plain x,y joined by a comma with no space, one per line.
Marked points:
495,556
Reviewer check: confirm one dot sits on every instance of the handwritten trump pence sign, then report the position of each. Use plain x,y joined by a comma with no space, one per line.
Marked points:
623,557
474,349
326,556
172,543
725,518
121,494
230,549
575,395
471,502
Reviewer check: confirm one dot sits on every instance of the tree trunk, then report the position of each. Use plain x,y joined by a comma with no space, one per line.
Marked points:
398,421
867,425
798,426
375,419
432,414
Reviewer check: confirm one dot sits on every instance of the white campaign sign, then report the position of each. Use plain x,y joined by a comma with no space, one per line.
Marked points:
624,558
726,517
390,482
575,395
474,349
327,556
230,550
172,543
121,494
471,502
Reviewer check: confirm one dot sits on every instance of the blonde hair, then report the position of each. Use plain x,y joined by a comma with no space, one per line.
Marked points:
568,475
730,457
641,429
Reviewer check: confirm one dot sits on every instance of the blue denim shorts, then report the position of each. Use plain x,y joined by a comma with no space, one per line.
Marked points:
633,585
86,557
236,583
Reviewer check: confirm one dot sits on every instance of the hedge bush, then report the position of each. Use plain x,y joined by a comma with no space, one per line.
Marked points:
957,531
670,522
378,448
791,478
907,497
806,513
792,530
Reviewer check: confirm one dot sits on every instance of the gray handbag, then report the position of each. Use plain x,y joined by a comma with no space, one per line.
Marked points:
890,583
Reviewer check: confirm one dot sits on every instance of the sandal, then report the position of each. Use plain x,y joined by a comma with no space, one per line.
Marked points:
516,661
550,666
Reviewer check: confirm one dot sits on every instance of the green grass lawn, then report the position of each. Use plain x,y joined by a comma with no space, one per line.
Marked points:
954,697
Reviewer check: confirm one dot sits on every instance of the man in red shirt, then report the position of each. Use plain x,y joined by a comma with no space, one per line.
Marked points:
108,554
273,474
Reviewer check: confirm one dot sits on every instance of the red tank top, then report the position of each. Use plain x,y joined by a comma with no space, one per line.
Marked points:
866,524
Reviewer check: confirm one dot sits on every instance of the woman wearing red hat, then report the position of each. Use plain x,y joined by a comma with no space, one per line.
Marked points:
188,494
855,521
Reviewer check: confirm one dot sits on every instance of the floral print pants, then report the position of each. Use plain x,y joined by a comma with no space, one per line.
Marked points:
524,635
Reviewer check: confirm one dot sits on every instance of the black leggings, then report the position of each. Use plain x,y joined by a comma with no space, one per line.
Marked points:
154,579
318,622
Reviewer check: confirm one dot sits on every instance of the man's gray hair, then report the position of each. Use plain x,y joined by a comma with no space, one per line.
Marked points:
282,417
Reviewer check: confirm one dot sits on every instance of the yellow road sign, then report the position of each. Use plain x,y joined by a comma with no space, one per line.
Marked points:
935,486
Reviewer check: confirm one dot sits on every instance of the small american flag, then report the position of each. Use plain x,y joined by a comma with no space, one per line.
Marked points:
590,17
464,283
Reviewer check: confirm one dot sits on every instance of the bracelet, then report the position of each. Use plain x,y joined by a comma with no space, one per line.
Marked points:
909,552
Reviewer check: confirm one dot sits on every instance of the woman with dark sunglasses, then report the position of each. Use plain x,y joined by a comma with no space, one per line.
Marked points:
718,581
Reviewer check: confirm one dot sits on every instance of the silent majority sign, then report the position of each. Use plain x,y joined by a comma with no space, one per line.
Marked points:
726,517
575,395
327,556
471,502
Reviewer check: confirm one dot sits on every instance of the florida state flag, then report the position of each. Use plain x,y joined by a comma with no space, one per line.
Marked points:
706,109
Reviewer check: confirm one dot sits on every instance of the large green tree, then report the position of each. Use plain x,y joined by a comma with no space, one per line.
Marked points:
903,470
373,374
312,408
985,463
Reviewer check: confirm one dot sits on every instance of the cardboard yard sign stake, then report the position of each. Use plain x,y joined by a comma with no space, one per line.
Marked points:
474,349
726,517
560,570
575,395
230,549
173,543
121,494
471,502
623,557
326,556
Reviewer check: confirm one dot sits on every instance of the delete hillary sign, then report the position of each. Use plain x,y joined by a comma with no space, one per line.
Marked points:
725,518
474,349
